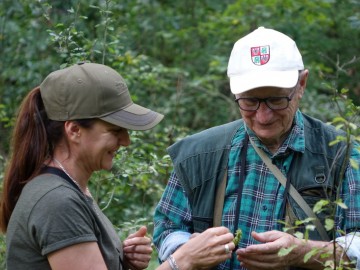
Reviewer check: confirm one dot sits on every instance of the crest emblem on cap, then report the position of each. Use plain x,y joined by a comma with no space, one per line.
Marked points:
260,55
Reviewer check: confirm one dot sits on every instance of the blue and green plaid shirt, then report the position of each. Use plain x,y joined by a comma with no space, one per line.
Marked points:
262,194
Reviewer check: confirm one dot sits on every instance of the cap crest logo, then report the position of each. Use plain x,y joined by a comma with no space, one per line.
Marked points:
260,55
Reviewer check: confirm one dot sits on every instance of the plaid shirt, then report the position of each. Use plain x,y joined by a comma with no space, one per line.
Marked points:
262,194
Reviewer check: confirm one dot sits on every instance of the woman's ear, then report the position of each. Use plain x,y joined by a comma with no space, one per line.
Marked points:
72,130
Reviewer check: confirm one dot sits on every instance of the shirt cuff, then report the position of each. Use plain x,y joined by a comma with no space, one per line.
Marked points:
171,243
351,244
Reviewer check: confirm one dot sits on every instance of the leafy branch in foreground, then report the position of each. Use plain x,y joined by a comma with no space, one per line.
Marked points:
347,121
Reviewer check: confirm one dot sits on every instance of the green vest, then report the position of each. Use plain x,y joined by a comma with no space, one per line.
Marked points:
200,161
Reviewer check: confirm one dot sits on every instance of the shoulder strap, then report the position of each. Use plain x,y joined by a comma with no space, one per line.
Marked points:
219,201
293,192
220,192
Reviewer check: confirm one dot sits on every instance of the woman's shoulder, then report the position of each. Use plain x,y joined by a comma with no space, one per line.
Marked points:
49,191
47,183
49,194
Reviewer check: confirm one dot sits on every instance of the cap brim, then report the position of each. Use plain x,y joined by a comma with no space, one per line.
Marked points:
134,117
252,80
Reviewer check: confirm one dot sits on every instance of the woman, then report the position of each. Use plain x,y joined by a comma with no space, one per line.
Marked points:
69,127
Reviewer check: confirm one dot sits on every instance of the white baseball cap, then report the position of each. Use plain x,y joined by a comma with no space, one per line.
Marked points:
264,57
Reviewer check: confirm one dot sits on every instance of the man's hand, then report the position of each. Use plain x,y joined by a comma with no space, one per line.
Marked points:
265,255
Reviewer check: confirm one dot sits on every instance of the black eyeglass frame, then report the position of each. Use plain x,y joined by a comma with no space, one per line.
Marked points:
265,100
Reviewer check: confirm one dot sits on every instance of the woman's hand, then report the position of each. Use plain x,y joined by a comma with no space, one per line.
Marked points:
137,249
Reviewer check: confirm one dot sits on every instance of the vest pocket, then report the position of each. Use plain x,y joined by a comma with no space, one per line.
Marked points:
312,196
201,223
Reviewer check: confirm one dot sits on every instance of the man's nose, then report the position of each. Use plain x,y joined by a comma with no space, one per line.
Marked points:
264,113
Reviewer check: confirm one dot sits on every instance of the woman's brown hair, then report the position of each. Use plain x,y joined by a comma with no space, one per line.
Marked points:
30,146
34,138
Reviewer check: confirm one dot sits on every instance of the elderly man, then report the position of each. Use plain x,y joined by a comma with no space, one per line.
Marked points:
272,165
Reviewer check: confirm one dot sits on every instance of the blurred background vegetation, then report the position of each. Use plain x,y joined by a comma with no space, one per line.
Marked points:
173,56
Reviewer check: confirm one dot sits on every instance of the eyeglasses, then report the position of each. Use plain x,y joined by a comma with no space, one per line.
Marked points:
274,103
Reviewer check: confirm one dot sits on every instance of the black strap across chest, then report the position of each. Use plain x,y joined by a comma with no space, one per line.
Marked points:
239,191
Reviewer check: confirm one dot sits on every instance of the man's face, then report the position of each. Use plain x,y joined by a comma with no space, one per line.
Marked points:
272,126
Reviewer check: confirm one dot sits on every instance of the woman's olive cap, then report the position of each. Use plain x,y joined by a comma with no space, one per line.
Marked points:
89,90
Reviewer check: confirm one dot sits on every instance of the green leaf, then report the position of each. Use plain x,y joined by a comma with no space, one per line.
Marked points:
329,224
299,235
286,251
304,221
325,255
306,235
353,126
310,227
311,253
341,204
318,207
344,91
338,119
332,143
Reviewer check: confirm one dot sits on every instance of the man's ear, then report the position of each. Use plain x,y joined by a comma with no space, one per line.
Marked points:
302,82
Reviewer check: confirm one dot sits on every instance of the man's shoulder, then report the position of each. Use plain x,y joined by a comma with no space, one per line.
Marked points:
316,130
207,140
208,134
319,136
315,123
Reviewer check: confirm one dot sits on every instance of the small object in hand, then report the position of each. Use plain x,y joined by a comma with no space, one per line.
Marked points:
237,237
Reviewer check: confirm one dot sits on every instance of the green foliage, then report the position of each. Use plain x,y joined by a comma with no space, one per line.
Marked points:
237,237
2,252
173,56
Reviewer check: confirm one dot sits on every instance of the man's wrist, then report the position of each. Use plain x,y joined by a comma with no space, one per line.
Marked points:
316,261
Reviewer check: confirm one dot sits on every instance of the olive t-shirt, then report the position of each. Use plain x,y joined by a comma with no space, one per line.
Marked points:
51,214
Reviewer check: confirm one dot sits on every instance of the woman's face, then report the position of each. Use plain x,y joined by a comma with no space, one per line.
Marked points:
98,145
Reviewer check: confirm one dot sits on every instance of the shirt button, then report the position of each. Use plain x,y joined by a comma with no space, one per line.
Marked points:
264,207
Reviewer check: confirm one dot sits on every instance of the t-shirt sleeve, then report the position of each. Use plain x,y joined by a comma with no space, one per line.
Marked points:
61,218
